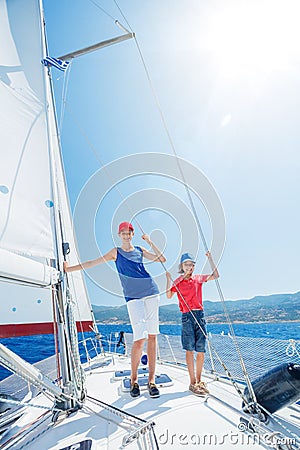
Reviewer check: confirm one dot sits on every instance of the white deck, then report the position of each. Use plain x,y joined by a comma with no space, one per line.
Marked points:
181,419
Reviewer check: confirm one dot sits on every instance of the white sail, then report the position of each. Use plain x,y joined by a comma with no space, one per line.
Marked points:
26,224
33,194
25,310
26,269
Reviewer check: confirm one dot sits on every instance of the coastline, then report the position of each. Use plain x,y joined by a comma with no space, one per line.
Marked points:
119,322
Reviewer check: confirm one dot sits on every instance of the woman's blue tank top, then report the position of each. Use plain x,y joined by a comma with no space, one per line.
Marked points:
135,280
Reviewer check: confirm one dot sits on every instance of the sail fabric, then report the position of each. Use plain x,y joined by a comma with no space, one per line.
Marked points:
26,203
25,310
33,195
27,269
83,311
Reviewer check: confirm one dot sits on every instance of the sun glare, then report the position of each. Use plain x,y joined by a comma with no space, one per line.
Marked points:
252,39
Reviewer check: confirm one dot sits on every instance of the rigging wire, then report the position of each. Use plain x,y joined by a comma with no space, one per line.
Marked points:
102,9
101,163
56,337
66,76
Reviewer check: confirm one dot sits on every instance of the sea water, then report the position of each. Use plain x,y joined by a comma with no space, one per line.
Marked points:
35,348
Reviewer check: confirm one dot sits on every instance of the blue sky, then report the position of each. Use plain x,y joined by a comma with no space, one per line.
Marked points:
227,78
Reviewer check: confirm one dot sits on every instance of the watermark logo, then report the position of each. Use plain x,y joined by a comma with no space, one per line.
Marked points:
273,440
232,438
149,183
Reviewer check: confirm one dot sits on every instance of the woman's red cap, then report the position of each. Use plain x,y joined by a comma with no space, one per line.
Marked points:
125,226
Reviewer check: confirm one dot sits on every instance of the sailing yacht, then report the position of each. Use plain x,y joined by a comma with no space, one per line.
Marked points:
63,403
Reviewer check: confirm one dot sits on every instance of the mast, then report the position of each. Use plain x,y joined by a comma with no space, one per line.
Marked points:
70,363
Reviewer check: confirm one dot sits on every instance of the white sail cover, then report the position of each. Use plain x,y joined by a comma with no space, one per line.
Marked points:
32,185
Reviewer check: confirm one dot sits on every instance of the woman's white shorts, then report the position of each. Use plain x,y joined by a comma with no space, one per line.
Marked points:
143,314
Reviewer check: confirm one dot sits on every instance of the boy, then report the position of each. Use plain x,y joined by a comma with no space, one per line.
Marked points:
193,333
142,296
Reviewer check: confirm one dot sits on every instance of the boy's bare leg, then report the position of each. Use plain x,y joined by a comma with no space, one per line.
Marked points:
199,366
189,357
136,353
151,352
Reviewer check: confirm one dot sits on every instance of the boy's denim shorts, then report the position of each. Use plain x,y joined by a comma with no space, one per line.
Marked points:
193,337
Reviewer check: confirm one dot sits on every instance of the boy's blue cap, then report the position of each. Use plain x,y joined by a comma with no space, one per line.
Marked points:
187,257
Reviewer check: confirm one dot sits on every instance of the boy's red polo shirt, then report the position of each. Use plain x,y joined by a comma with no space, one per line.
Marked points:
191,290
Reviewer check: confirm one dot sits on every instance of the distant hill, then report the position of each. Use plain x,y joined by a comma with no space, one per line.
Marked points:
269,308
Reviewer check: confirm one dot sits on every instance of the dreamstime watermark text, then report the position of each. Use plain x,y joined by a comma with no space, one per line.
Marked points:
232,438
197,439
